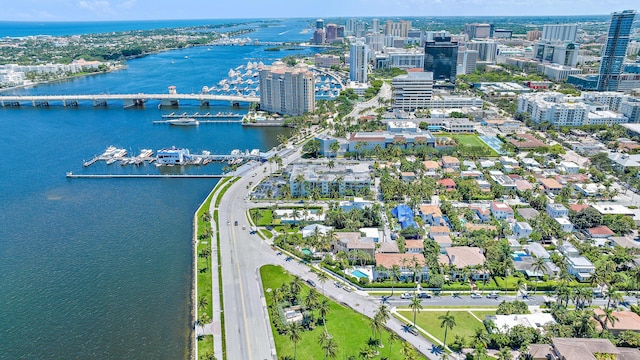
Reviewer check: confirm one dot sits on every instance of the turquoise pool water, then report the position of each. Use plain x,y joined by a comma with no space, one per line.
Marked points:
359,274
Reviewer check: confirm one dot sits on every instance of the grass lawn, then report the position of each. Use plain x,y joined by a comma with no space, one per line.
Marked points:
349,329
205,345
482,314
472,140
204,277
265,216
466,324
268,234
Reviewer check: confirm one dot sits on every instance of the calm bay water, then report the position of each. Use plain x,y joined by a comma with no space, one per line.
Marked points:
102,268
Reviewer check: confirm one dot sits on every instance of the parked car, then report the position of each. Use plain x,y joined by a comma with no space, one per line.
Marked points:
406,296
337,284
492,295
424,295
476,296
311,283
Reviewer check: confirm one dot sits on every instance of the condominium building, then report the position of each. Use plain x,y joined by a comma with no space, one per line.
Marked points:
375,26
358,61
327,61
467,61
614,50
559,32
406,59
343,178
533,35
331,33
412,91
557,72
400,28
287,90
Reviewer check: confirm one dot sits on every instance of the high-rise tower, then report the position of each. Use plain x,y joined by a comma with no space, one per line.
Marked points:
614,50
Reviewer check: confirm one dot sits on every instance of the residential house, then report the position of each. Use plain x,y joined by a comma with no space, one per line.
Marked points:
444,241
578,207
600,232
523,185
404,214
408,176
461,257
485,164
450,162
565,224
624,241
575,349
473,174
484,215
501,211
538,251
414,246
438,231
431,215
484,185
503,180
551,186
557,211
388,247
431,169
580,267
522,229
568,167
626,321
504,323
357,203
469,165
528,213
447,184
405,263
529,163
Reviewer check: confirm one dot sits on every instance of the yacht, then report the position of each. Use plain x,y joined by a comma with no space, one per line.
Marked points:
183,122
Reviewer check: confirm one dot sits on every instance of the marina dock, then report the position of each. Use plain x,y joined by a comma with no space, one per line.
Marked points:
196,115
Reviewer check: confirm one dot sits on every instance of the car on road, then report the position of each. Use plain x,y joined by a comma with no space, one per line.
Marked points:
235,223
412,330
311,283
279,253
347,288
406,296
288,258
424,295
337,284
476,296
456,295
228,222
492,295
244,227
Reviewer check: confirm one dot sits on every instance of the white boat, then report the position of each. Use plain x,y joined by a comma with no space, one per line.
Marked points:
183,122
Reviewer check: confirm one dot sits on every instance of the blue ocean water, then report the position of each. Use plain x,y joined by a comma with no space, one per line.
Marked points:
102,268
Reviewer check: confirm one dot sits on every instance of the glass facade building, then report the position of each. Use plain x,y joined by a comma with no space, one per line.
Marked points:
614,50
441,58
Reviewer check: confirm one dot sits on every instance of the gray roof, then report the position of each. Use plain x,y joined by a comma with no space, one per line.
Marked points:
528,213
537,250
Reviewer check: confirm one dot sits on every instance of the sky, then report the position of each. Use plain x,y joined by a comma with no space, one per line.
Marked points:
91,10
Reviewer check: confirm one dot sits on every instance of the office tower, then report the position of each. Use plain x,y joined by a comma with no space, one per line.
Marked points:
487,50
533,35
350,27
318,37
614,50
340,31
360,30
375,26
287,90
331,32
441,58
319,24
478,31
467,61
559,32
412,91
375,42
358,59
556,52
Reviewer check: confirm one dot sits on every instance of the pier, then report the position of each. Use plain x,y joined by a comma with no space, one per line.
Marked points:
196,115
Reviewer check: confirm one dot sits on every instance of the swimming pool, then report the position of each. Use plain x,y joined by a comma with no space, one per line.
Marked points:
359,274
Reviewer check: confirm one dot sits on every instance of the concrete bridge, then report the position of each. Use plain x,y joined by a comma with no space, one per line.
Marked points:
129,100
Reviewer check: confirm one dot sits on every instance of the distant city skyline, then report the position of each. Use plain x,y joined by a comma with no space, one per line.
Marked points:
94,10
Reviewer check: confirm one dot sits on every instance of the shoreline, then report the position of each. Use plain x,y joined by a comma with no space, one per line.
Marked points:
62,79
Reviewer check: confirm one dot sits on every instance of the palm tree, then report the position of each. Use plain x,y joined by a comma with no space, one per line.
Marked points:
479,352
613,295
393,337
607,317
294,331
447,322
480,338
202,302
408,352
395,275
330,349
295,286
416,306
323,277
311,299
367,352
323,309
538,266
504,354
383,316
375,325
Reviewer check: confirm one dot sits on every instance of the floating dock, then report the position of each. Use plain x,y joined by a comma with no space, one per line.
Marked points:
196,115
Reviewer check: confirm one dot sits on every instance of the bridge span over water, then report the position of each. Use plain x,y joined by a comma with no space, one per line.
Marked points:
129,100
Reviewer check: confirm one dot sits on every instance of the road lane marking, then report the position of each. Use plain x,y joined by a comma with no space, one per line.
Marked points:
244,309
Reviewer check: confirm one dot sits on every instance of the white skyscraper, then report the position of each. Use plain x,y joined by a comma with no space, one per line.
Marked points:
358,59
375,26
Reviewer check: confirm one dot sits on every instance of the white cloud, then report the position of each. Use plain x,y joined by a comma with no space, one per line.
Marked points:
128,4
98,6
